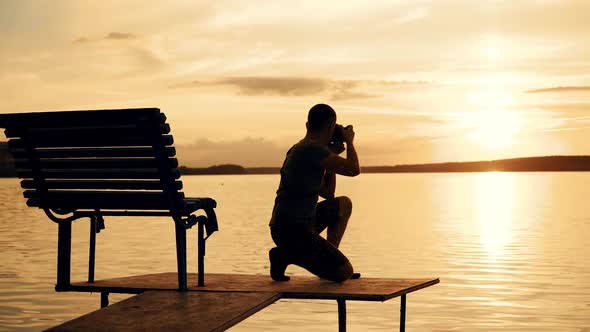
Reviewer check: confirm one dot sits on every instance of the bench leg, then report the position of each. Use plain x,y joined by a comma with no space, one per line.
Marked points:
104,299
201,249
64,250
91,250
402,317
181,256
341,315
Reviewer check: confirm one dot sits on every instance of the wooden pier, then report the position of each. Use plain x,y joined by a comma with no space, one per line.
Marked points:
225,300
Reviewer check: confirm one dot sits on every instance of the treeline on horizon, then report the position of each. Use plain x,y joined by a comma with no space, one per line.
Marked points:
528,164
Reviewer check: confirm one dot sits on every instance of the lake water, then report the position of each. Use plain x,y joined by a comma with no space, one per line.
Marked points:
511,251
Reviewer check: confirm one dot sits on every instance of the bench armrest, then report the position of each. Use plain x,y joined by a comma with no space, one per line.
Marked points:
193,204
207,204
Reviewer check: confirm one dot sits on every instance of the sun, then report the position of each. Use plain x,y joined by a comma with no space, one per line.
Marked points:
494,129
492,47
491,122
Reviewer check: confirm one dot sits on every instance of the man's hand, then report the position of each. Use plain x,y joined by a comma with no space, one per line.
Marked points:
337,148
348,134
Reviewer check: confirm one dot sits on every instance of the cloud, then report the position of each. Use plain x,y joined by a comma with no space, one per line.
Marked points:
251,86
81,40
412,15
248,151
562,89
120,35
349,95
263,152
109,36
345,90
283,86
575,107
191,84
148,58
304,86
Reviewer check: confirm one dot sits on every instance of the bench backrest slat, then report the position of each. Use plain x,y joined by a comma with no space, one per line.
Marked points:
93,152
96,163
113,130
62,141
91,118
101,184
99,174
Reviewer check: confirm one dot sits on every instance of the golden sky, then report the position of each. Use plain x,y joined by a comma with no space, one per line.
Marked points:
421,81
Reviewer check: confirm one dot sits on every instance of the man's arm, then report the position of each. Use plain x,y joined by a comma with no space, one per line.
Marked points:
329,188
353,158
350,165
329,181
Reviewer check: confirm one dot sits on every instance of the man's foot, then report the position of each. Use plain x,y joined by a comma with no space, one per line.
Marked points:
278,265
355,275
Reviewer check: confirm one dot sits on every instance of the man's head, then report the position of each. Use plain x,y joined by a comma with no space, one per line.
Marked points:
321,119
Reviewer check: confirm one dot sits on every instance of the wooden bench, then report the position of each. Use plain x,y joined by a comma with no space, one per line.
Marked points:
92,164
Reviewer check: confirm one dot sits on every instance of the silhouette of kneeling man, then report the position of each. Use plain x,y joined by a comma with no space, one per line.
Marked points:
309,171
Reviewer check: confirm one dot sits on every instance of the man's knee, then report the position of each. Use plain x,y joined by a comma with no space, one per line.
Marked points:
339,274
344,272
345,205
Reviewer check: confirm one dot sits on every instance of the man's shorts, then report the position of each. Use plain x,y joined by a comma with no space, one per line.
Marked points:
305,247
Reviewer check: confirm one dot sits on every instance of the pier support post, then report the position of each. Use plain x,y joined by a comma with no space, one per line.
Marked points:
64,249
341,315
104,299
402,316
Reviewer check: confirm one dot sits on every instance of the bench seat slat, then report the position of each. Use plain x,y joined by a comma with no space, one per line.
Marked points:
82,118
102,200
100,184
99,174
90,141
98,194
93,152
185,206
97,163
83,204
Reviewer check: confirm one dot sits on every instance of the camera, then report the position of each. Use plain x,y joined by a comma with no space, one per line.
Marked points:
337,136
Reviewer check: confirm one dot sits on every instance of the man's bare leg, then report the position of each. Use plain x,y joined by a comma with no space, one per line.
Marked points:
336,231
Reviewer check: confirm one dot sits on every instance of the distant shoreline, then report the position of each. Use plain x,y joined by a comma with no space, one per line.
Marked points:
198,173
529,164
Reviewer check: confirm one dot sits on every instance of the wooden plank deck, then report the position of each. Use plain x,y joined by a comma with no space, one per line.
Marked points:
173,311
302,287
225,300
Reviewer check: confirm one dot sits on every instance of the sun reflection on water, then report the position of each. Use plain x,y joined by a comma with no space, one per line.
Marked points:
495,191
